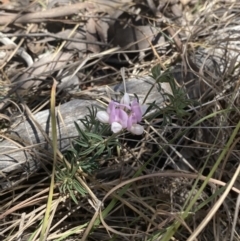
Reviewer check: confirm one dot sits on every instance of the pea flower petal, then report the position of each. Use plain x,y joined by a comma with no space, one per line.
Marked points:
131,120
136,109
103,116
136,129
125,99
116,127
123,115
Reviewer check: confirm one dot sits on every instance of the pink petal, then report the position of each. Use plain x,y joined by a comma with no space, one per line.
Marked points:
122,118
112,117
103,116
131,120
137,129
136,110
111,107
122,106
129,123
116,127
112,111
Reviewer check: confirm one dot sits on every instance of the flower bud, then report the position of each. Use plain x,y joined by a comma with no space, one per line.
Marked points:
136,129
116,127
103,116
125,99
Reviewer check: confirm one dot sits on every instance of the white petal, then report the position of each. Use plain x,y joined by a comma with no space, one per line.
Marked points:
125,99
143,109
103,116
137,129
116,127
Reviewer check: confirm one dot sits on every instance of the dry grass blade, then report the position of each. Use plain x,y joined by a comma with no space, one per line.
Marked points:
215,207
47,221
235,217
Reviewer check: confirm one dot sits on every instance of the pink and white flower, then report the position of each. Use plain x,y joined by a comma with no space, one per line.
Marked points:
123,115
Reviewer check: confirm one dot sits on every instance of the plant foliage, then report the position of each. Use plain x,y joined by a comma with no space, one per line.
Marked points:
87,150
177,102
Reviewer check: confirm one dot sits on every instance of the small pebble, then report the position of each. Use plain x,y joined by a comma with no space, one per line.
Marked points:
3,54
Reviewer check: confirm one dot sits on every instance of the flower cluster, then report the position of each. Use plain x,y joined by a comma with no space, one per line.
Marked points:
123,115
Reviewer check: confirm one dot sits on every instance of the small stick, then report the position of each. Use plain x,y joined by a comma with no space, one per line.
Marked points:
123,77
